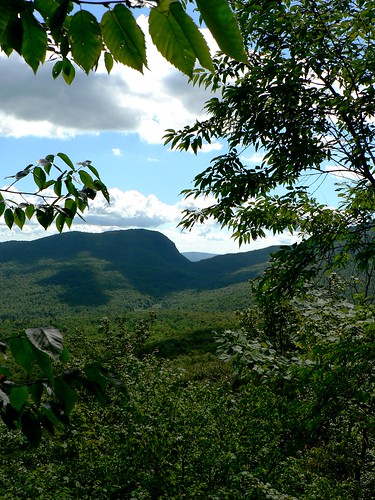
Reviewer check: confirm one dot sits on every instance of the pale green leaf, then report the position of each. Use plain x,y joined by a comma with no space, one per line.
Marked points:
193,35
171,41
223,25
124,38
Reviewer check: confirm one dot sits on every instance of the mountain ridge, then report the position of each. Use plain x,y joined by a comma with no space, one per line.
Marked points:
128,267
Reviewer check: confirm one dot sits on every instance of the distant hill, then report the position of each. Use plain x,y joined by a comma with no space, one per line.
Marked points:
117,270
196,256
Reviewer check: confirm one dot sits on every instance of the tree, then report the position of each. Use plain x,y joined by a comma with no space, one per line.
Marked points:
305,102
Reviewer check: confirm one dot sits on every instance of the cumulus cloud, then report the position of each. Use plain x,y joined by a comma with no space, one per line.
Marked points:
132,209
124,101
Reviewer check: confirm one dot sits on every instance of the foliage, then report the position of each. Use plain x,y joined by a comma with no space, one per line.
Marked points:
305,103
324,366
64,32
213,437
33,395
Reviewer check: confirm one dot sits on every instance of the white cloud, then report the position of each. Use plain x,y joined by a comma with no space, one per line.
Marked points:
132,209
343,173
255,158
117,152
125,101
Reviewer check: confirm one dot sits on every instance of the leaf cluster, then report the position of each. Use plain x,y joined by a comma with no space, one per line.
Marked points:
304,101
65,32
55,199
34,394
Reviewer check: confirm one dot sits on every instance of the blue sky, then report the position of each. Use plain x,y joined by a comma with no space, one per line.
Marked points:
117,122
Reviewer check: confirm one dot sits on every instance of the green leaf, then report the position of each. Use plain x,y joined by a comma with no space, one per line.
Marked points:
18,396
193,35
9,217
86,179
39,177
4,16
68,71
31,427
170,40
46,339
57,19
19,217
86,43
57,68
57,187
124,38
60,222
29,211
46,7
65,158
66,395
223,25
22,352
45,217
34,41
44,362
36,392
108,61
2,207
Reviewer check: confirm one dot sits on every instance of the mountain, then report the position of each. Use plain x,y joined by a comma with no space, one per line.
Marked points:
118,270
196,256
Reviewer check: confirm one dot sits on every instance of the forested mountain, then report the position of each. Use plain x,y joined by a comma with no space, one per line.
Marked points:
130,269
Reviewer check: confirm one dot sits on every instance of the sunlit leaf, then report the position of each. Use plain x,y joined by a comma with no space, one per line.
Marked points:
85,35
170,40
124,38
222,23
193,35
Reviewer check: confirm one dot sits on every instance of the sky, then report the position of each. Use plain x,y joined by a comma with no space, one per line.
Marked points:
117,121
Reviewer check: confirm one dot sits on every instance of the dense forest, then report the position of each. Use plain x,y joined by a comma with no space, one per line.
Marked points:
270,397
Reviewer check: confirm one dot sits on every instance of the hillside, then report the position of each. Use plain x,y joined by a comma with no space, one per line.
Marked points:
116,270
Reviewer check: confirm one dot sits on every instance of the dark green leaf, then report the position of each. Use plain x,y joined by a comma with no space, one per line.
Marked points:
57,68
39,177
22,352
65,394
31,426
65,158
29,211
18,396
45,217
9,217
36,392
34,41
